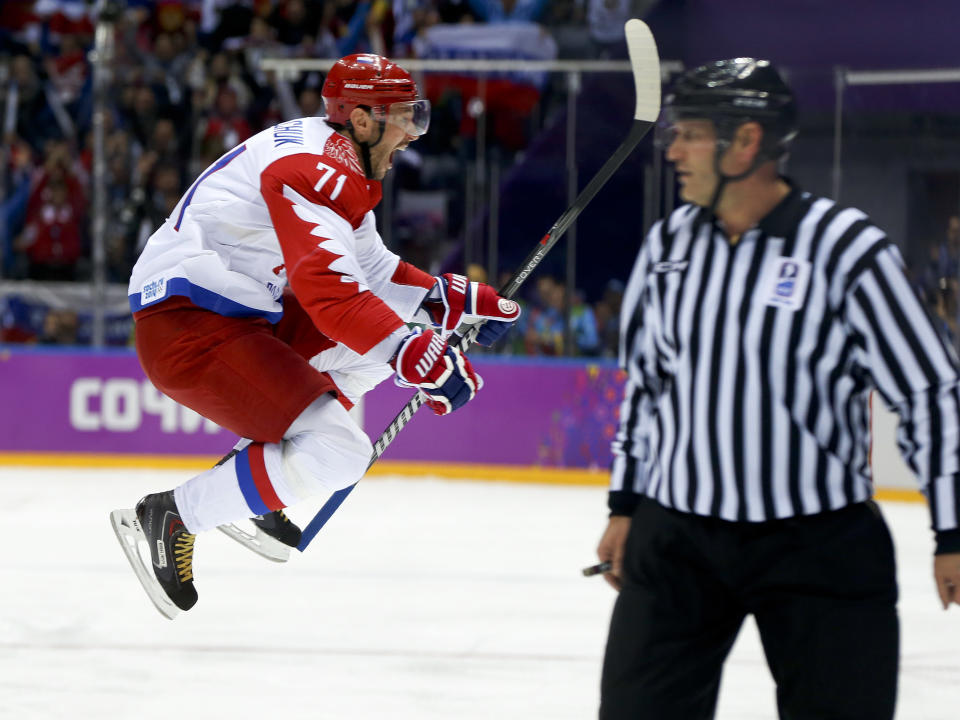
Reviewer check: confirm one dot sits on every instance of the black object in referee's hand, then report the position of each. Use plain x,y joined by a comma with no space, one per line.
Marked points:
597,569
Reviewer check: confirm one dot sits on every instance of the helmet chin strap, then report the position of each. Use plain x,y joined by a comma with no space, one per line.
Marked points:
722,180
365,147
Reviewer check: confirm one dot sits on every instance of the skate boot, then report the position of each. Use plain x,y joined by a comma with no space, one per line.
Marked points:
278,526
271,536
171,547
156,523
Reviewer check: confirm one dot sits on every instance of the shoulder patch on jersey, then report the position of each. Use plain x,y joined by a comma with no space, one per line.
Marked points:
341,150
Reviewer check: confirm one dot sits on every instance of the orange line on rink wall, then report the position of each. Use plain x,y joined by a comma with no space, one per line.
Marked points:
448,471
898,494
502,473
108,460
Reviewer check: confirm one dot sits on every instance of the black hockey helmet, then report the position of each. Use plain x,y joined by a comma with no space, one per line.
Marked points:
730,93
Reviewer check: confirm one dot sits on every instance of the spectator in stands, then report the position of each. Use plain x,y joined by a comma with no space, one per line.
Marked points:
455,11
119,214
52,240
544,328
360,26
143,112
297,24
226,126
13,207
311,104
166,64
69,75
498,11
605,21
34,118
583,323
164,141
59,328
153,199
607,312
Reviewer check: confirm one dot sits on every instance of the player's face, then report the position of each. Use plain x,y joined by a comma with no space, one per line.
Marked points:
691,150
395,139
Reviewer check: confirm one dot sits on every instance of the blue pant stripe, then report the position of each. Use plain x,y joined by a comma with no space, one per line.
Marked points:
245,479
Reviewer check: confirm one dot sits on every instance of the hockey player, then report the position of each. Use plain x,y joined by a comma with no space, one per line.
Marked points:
268,303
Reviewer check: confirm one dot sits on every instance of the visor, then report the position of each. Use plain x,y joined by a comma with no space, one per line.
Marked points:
413,117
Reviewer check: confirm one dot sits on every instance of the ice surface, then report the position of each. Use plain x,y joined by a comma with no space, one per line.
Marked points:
421,599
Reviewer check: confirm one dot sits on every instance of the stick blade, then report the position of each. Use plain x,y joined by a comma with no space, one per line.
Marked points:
646,69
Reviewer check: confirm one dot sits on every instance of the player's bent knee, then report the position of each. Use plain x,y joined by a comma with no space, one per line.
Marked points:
327,460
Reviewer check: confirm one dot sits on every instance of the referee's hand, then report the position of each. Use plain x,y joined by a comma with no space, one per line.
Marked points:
611,548
946,572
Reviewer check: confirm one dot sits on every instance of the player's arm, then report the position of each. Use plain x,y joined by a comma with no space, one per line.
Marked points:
443,302
400,284
916,373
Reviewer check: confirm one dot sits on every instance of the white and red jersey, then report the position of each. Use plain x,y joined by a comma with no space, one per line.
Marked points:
292,206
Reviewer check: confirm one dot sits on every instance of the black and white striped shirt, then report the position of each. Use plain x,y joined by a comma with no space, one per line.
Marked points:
750,367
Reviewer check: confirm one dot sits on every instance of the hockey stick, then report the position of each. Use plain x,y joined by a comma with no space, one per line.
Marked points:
645,64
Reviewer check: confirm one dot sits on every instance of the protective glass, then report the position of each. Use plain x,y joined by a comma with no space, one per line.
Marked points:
412,117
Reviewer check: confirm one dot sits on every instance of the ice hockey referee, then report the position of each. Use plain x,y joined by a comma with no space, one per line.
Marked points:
757,320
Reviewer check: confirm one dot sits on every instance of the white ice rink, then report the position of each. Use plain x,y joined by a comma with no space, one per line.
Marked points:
420,600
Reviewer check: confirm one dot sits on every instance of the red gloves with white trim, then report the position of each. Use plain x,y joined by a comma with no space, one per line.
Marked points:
455,300
442,373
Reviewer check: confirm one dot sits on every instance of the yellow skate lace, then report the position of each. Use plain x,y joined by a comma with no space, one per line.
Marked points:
183,556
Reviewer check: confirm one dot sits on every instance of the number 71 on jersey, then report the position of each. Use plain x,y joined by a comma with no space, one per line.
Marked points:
329,172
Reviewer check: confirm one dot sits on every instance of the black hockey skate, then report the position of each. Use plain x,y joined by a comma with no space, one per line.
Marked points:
272,537
157,522
278,526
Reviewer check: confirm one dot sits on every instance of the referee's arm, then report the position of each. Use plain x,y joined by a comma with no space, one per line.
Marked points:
916,373
630,446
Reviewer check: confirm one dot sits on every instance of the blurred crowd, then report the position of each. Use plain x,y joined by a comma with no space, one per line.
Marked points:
594,327
937,281
188,86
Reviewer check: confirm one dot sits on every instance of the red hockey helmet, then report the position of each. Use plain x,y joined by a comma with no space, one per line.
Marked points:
379,84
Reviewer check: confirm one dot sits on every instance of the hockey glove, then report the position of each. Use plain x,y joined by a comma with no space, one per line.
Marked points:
455,300
442,373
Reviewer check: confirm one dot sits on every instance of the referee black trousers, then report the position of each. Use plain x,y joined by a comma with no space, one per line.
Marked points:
822,589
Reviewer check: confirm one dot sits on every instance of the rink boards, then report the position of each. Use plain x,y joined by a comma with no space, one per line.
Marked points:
536,421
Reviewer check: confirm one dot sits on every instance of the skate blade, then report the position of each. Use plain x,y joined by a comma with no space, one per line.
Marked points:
130,534
261,543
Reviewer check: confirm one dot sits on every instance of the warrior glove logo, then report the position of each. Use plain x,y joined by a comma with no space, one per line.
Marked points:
434,350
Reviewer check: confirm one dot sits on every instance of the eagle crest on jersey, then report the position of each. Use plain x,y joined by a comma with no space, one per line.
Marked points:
340,149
